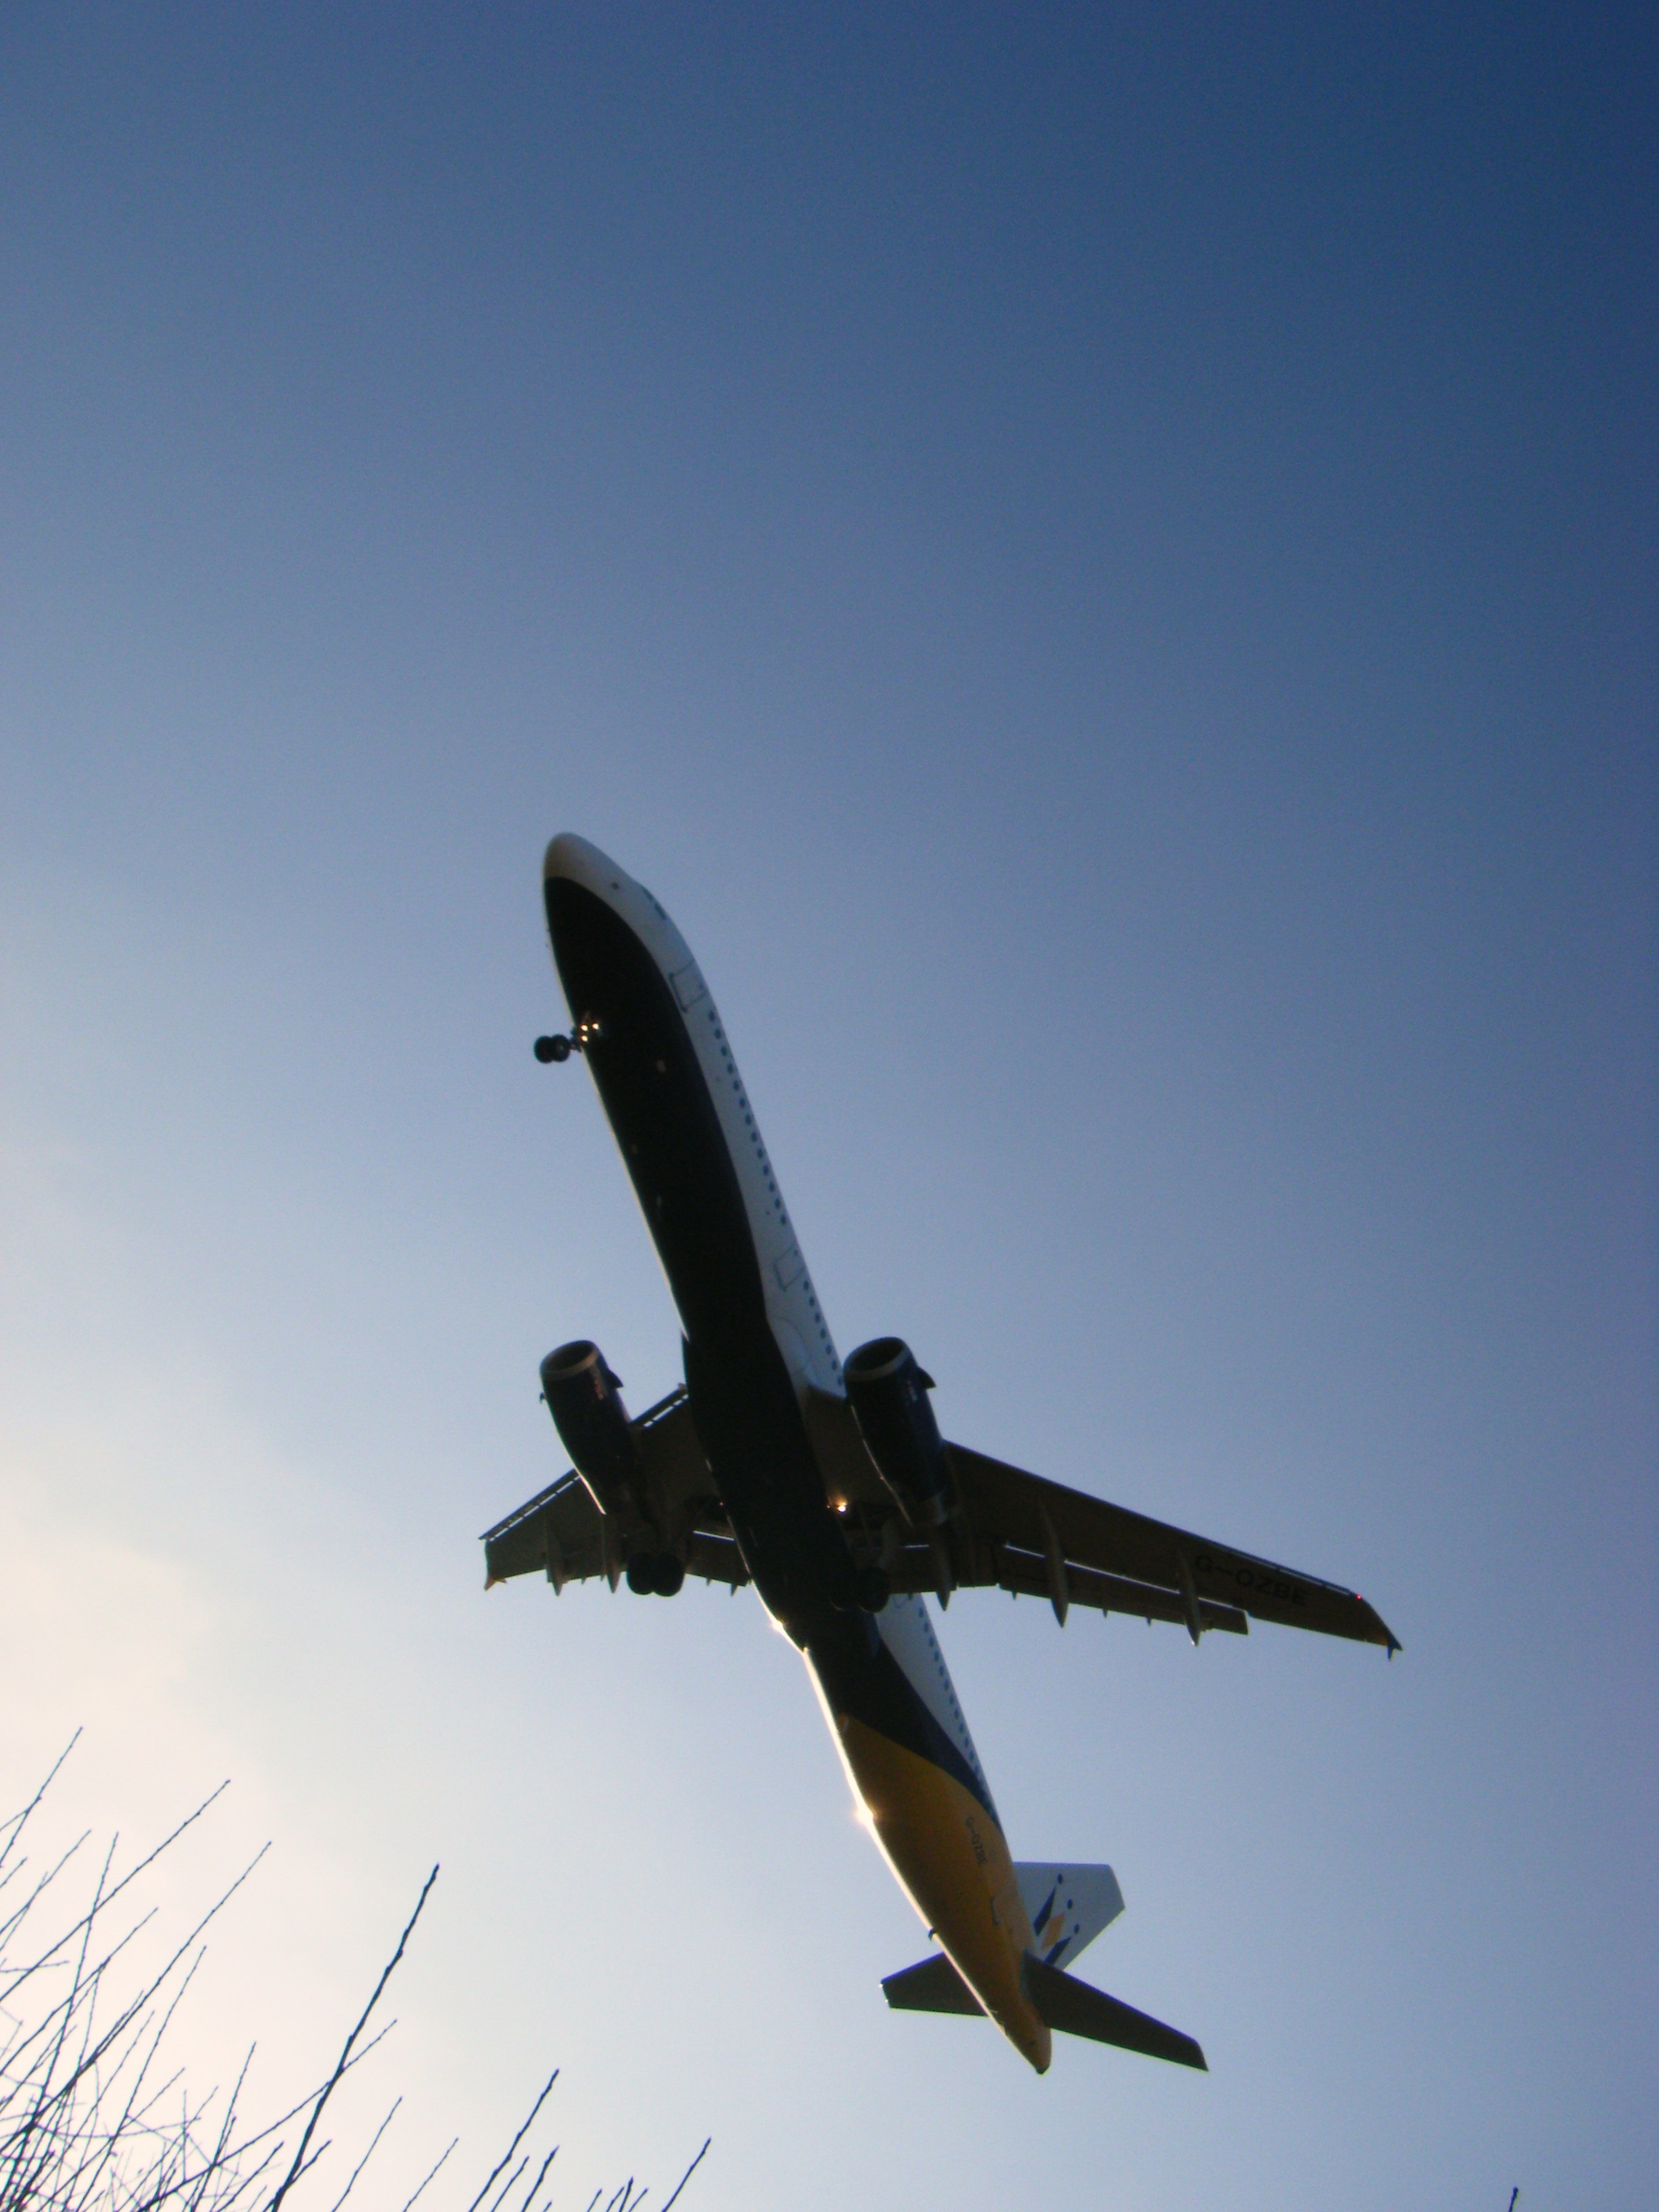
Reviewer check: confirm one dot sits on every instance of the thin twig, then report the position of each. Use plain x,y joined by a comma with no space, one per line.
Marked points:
512,2177
512,2146
530,2192
329,2086
16,1822
690,2171
367,2155
411,2202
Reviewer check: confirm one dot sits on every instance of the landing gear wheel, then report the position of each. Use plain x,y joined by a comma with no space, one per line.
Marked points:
552,1047
872,1588
670,1576
643,1573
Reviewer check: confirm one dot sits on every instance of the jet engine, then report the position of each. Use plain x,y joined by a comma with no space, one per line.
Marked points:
888,1393
582,1396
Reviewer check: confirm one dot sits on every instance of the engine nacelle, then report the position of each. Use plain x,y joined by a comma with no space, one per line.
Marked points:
582,1396
888,1393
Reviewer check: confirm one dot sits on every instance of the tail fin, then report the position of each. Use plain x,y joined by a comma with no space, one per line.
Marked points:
1068,1906
1076,2009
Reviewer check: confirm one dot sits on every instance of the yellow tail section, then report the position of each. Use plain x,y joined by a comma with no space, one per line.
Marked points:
951,1858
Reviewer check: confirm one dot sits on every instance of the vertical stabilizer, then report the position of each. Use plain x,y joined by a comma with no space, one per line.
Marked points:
1068,1905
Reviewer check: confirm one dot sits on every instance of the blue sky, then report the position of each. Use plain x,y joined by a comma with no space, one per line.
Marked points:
1101,563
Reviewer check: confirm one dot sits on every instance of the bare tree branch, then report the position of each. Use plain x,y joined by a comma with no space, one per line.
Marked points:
94,2117
690,2171
332,2082
409,2203
513,2145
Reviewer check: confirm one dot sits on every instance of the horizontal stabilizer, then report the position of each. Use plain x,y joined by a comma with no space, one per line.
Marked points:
1076,2009
932,1986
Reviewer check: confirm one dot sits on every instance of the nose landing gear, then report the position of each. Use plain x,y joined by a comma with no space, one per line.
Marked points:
556,1048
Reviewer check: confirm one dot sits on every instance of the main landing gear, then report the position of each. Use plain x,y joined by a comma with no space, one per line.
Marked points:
873,1589
867,1589
655,1574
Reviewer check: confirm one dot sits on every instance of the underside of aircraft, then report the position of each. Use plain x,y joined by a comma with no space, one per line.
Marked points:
831,1490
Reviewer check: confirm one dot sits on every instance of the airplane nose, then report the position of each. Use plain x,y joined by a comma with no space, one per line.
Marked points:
571,858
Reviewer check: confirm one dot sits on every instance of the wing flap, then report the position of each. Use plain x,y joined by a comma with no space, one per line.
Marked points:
1209,1585
716,1558
916,1569
561,1532
677,1477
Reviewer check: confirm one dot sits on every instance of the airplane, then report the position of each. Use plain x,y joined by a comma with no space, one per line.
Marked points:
829,1486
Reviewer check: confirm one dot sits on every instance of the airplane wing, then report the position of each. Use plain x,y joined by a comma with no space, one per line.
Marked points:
561,1532
1074,1549
1016,1531
1012,1531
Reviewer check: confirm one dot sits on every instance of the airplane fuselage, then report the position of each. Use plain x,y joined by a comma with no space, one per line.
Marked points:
757,1347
